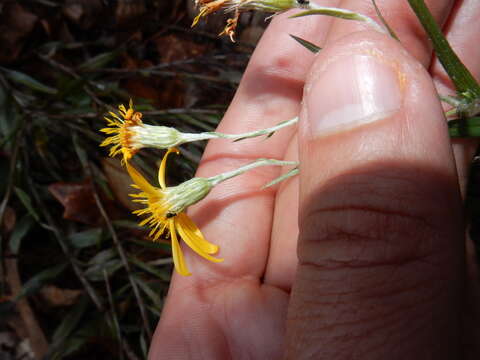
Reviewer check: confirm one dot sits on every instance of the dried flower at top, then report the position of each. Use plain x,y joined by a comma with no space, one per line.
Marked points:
208,7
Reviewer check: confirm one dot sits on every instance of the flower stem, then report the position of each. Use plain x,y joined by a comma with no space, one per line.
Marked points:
214,180
237,137
315,9
462,78
384,22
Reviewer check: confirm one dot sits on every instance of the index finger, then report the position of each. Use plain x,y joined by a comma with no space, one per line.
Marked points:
270,92
236,215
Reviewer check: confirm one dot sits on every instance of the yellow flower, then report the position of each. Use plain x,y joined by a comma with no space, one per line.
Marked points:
130,134
121,129
165,207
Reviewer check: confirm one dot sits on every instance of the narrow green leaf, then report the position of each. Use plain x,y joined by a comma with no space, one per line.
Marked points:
86,238
98,61
155,311
103,256
81,153
306,44
5,114
70,322
456,70
95,272
153,245
384,22
451,100
96,326
21,229
37,281
70,346
27,202
462,128
240,139
149,268
269,135
151,293
28,81
143,345
329,12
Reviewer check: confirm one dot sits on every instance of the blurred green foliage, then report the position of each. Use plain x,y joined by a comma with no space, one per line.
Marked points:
67,63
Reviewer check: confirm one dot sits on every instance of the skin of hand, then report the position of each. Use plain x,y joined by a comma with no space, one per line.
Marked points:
362,256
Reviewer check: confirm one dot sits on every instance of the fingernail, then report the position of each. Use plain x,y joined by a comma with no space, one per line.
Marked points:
350,92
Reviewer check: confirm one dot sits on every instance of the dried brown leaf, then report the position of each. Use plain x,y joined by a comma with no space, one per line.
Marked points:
78,200
9,219
56,297
36,336
119,182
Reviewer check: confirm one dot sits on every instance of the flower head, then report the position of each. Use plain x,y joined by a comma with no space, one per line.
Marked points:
130,134
120,127
165,207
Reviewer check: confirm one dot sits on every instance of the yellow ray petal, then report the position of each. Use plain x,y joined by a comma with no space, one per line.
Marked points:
196,234
140,181
115,116
163,165
160,232
110,130
177,254
190,241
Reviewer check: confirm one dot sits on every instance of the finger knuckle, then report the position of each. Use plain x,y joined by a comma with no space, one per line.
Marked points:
370,224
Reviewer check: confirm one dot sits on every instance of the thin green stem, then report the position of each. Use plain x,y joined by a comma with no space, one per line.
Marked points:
247,135
214,180
315,9
113,313
463,80
384,22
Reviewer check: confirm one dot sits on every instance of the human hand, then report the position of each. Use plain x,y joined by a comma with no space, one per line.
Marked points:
376,211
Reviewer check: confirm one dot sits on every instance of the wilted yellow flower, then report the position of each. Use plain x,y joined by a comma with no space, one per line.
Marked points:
130,134
121,129
165,207
207,7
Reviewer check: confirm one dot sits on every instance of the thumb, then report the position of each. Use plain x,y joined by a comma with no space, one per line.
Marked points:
381,237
